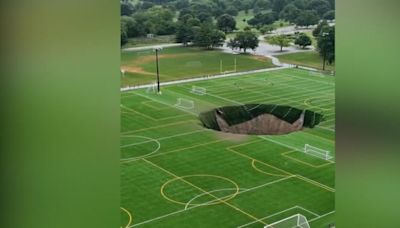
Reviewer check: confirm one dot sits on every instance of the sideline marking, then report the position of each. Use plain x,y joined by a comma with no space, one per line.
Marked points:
312,220
139,143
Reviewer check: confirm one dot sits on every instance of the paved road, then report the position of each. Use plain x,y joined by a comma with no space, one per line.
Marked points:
152,46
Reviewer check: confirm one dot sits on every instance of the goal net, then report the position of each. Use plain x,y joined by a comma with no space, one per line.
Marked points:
152,88
198,90
184,103
294,221
316,152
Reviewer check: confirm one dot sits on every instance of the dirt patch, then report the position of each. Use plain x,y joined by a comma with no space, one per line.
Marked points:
260,58
134,69
265,124
151,58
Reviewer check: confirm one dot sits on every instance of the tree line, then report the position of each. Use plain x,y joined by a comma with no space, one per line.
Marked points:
184,17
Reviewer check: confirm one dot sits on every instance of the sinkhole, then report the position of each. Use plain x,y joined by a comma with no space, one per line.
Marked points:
260,119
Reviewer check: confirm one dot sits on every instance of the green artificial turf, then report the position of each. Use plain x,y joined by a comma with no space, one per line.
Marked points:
175,173
184,62
309,59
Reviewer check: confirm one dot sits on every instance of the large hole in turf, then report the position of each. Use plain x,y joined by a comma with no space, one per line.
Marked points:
259,119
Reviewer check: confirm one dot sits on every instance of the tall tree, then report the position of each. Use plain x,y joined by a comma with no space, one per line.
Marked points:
244,40
303,40
326,46
307,18
226,23
320,27
278,5
126,8
330,15
320,6
290,13
208,37
184,33
279,40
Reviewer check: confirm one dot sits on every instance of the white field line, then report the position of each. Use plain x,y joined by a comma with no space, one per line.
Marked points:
269,216
296,149
166,104
325,128
326,83
203,78
280,212
311,220
317,90
162,138
278,97
190,208
298,84
313,213
206,193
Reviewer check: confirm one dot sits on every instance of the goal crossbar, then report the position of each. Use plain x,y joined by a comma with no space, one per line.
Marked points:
316,152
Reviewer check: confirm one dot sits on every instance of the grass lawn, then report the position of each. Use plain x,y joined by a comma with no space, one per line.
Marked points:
313,39
184,62
309,59
240,24
144,41
175,172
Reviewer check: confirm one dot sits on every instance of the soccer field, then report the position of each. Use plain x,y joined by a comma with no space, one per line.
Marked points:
176,173
184,62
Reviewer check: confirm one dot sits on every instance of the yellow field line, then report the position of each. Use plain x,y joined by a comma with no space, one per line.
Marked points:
130,217
159,126
205,192
154,119
284,171
153,107
139,113
177,150
262,171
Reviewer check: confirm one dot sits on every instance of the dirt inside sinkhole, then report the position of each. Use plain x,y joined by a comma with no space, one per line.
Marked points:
259,119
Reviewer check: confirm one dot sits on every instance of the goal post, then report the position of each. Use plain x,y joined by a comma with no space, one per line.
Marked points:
316,152
294,221
198,90
184,103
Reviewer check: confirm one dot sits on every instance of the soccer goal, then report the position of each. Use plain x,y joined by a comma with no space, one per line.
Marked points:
184,103
198,90
316,152
294,221
152,88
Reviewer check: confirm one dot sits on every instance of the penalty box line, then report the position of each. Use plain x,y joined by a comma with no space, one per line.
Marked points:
284,171
280,212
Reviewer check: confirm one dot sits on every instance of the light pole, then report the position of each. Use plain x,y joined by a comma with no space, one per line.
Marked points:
157,49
